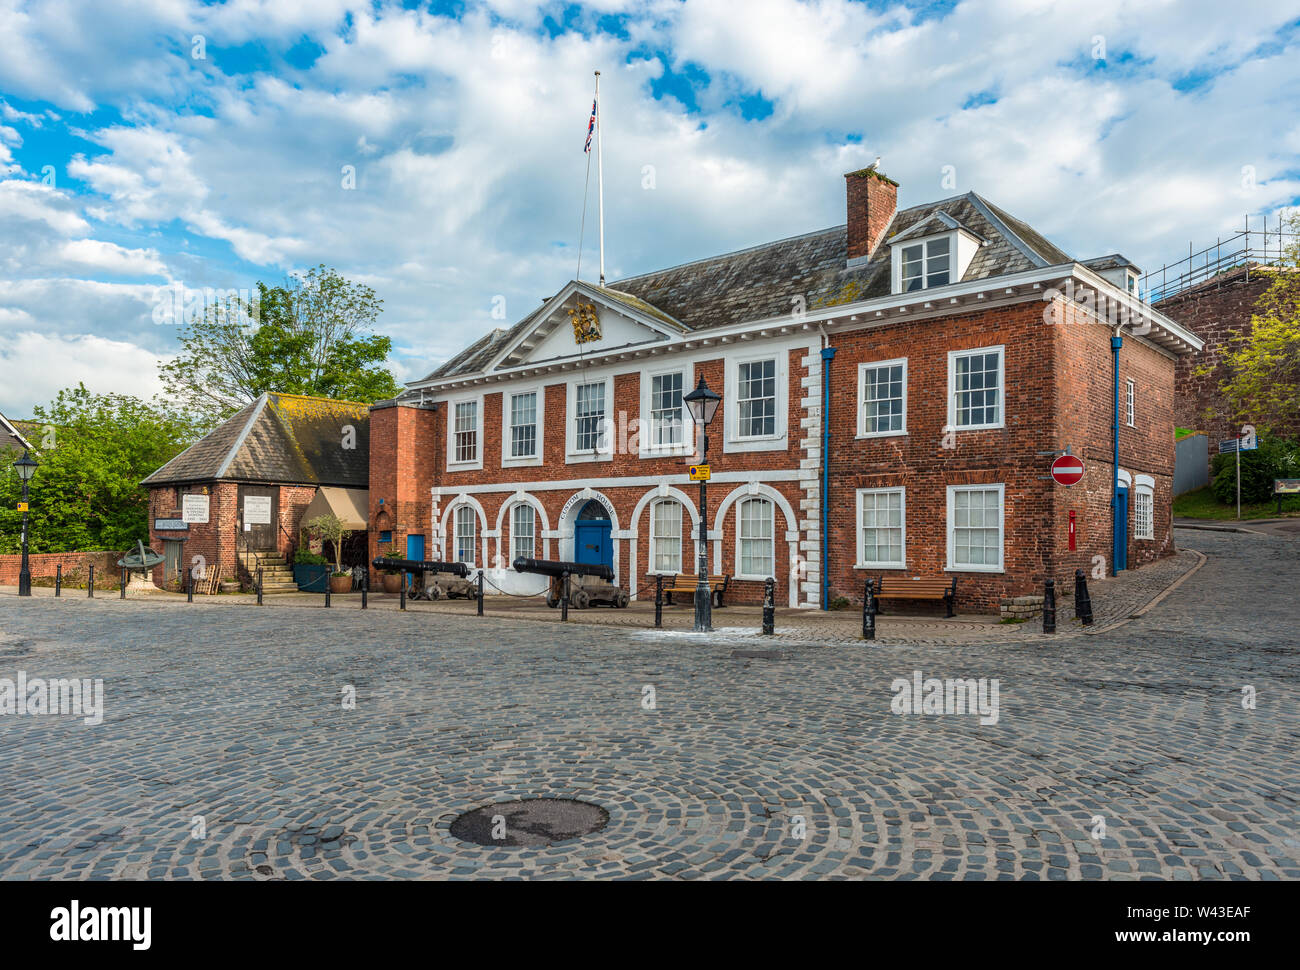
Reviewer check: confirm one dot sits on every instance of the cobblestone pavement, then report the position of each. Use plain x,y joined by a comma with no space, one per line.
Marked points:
1112,600
234,718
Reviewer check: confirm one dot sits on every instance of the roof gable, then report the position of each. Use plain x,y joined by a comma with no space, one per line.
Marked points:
285,438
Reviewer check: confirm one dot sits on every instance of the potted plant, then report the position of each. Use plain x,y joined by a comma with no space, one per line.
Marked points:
311,571
392,578
329,527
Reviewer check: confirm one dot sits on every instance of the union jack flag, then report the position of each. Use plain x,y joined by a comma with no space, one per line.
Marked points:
591,126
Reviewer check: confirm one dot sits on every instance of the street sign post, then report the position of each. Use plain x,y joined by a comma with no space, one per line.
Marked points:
1067,470
1246,441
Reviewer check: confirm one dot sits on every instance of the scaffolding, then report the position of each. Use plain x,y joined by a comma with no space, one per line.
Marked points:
1247,250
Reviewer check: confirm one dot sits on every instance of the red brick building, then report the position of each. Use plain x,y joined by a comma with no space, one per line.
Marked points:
251,481
956,346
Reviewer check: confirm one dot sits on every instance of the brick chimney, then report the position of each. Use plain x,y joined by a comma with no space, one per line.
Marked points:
872,198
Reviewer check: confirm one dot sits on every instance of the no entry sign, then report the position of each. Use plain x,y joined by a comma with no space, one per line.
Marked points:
1067,470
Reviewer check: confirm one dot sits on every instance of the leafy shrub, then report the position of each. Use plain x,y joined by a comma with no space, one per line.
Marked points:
305,557
1274,458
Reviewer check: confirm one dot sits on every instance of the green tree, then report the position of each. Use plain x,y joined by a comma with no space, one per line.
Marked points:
93,453
1262,382
311,335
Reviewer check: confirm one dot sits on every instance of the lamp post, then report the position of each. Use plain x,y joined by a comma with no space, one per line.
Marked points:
703,404
25,467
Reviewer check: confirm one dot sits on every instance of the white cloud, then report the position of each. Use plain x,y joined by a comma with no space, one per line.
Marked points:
465,139
112,258
40,364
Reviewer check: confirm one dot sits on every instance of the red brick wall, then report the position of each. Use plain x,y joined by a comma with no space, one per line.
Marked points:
1058,393
1084,420
45,565
405,454
215,540
1212,312
413,442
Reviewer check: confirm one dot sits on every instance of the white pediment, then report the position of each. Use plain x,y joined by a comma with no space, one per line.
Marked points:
620,321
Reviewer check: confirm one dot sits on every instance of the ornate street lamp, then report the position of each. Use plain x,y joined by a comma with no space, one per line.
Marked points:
25,467
703,404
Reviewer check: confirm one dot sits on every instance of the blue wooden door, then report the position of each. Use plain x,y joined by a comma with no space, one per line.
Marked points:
593,542
1121,530
414,550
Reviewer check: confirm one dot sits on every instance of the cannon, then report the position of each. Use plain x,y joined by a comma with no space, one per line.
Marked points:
589,583
458,585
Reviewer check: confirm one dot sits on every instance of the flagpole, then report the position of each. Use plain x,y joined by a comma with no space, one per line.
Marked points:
600,178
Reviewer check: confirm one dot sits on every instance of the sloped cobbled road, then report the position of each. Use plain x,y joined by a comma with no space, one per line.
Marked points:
230,724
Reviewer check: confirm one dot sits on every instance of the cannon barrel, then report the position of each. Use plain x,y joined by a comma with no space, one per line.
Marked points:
548,567
423,566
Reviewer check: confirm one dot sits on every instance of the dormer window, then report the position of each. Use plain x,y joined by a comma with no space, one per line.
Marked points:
925,264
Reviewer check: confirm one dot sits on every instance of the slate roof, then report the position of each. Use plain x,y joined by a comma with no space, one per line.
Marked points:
760,282
14,435
280,438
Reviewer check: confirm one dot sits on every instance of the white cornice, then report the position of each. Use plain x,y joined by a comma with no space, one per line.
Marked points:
1033,284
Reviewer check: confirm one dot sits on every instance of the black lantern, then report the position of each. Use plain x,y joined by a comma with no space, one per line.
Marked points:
703,404
26,468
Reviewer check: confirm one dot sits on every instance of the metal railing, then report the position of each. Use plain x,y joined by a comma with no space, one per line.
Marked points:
1247,250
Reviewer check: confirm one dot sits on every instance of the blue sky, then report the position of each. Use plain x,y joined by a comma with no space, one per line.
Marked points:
151,146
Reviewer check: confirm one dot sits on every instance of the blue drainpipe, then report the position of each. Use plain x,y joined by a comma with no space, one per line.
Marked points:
1116,342
828,354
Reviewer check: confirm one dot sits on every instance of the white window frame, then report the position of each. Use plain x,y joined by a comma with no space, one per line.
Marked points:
514,531
507,401
924,243
645,435
683,530
952,566
1144,487
777,441
740,539
881,564
1129,395
453,465
572,454
862,397
455,533
953,356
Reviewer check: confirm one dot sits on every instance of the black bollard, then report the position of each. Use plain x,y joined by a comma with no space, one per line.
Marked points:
189,586
90,586
1049,606
402,593
1082,601
869,611
659,601
327,591
259,585
480,592
769,606
365,587
122,584
564,598
58,580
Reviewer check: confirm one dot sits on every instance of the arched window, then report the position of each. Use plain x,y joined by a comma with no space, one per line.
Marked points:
523,532
466,529
666,536
755,538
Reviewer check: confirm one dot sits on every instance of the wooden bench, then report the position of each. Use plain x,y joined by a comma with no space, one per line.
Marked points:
684,584
918,588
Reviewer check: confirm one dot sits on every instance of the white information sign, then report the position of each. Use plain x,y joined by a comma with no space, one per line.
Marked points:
257,510
194,509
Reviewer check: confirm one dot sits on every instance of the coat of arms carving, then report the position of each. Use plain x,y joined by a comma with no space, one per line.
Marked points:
586,324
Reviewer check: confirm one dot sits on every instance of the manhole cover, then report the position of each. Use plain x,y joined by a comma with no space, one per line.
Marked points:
533,821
